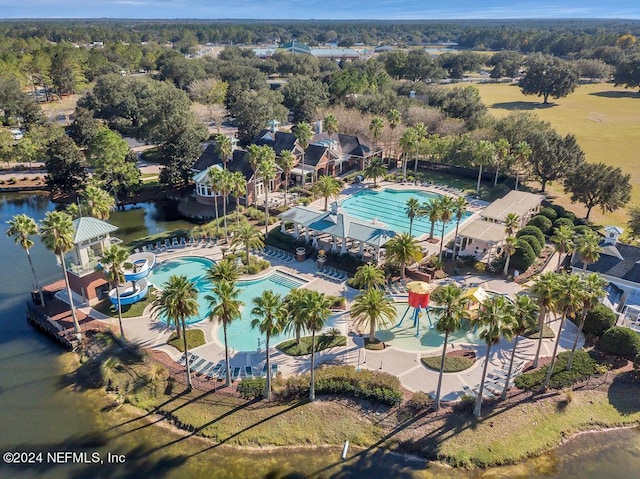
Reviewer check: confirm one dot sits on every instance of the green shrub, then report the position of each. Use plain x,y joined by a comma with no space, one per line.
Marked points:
496,192
532,230
570,215
479,266
543,223
620,341
533,242
560,210
365,384
452,364
583,367
563,222
420,401
598,321
549,213
251,388
523,257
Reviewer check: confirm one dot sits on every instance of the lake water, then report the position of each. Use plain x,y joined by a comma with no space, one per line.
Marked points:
38,412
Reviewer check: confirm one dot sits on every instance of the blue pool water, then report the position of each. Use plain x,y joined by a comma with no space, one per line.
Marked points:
240,336
388,207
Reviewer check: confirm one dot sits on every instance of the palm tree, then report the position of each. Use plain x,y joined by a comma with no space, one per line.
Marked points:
330,124
376,127
412,209
226,185
393,117
115,262
316,309
453,311
502,148
495,317
446,211
177,301
563,241
295,322
431,209
569,301
249,237
402,250
593,291
215,178
511,223
369,276
224,270
483,155
375,169
98,202
21,228
328,186
373,308
522,151
225,307
409,144
546,291
56,231
423,144
224,148
525,314
267,169
238,189
303,133
509,248
460,206
286,161
269,312
589,249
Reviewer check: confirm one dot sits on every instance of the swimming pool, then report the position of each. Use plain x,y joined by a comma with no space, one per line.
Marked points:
388,206
240,336
404,337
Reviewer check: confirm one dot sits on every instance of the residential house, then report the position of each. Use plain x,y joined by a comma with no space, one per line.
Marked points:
619,265
348,151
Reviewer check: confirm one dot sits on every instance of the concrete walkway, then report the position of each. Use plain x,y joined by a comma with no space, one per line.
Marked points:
151,333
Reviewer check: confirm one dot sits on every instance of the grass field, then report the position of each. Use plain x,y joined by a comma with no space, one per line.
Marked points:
605,120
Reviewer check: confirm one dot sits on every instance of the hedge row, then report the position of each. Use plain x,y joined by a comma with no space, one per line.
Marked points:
583,367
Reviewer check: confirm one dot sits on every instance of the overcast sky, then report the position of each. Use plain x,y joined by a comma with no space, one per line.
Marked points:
319,9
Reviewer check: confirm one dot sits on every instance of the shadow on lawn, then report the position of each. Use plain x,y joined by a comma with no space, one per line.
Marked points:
617,94
522,105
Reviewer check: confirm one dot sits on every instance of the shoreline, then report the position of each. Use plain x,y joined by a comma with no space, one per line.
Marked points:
394,448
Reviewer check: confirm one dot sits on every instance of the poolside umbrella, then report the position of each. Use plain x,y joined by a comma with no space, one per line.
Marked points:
419,292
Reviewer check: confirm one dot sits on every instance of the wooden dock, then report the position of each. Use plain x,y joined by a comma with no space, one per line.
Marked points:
39,319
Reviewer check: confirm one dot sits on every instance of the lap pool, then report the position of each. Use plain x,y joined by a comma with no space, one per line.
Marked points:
240,335
388,206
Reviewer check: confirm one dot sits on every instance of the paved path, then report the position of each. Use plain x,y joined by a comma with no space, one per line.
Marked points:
151,333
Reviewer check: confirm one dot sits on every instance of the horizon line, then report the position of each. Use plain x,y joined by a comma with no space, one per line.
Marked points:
635,19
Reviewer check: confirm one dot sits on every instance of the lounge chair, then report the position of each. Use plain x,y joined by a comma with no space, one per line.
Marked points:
467,391
486,393
208,365
182,359
198,364
192,358
183,242
248,371
493,388
223,372
236,373
174,242
213,372
167,245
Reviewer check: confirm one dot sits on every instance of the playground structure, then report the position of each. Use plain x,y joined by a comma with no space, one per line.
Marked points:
136,285
419,293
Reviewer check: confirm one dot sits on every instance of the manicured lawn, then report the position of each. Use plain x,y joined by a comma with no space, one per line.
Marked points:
375,345
195,338
322,342
452,364
130,311
605,120
547,333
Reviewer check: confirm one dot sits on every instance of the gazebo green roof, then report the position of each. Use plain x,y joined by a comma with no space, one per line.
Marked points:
88,228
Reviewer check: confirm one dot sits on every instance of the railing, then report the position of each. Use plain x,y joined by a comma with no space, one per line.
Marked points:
82,269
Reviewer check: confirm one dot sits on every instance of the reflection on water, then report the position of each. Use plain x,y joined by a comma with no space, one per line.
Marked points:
38,411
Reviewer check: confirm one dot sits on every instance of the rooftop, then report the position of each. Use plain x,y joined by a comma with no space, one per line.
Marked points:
88,228
518,202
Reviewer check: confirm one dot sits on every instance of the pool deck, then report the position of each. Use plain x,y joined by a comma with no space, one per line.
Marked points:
406,365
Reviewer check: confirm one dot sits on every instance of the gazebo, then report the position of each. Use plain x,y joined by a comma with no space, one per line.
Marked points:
339,227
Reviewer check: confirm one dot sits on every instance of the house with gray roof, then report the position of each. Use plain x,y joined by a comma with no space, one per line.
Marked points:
619,265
